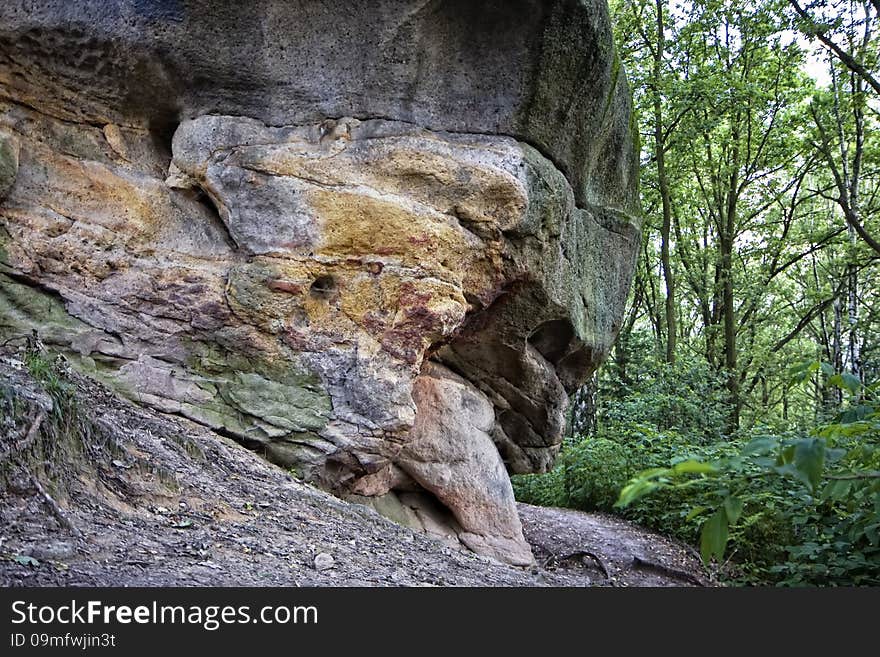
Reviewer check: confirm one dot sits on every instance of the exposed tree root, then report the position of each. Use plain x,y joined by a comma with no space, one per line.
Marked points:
28,439
554,559
640,562
57,511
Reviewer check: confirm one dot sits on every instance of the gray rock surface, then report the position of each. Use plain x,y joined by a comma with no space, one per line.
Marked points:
278,219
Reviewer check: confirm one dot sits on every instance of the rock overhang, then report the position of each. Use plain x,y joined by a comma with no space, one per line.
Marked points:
327,262
542,71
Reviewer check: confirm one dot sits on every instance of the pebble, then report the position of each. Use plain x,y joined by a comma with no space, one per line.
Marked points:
324,561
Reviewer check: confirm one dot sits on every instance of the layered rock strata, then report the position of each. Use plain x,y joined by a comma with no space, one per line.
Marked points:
380,241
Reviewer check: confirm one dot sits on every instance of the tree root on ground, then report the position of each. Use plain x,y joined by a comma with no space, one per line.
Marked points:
640,562
54,507
554,559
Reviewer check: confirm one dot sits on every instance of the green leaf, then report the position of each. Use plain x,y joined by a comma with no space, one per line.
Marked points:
846,381
786,469
653,473
856,414
691,466
733,508
713,538
760,445
809,461
802,371
786,455
837,490
833,455
851,382
697,510
804,366
633,491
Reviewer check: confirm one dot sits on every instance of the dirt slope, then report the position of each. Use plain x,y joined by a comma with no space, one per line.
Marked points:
141,499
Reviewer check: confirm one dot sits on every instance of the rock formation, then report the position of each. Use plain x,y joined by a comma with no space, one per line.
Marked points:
381,241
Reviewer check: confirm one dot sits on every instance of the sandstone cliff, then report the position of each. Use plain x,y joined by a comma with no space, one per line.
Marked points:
380,241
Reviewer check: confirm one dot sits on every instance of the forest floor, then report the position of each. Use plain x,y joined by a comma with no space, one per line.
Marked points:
142,499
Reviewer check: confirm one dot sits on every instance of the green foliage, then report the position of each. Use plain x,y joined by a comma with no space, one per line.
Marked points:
542,489
45,372
789,508
685,397
587,476
825,487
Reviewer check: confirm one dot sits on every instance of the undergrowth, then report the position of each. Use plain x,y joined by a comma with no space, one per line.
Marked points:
46,432
785,508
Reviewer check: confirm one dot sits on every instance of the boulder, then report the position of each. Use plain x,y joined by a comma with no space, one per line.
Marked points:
380,242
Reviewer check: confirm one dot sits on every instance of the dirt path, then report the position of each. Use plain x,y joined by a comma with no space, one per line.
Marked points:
606,550
154,501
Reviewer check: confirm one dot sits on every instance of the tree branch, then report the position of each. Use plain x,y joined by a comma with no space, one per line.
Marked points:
848,60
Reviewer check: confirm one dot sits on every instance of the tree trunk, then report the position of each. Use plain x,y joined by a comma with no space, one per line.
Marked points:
854,348
728,311
831,396
583,416
663,182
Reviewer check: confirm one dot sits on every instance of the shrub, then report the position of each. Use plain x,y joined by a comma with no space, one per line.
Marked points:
684,398
796,509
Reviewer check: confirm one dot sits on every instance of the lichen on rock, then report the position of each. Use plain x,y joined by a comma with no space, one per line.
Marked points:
8,163
387,272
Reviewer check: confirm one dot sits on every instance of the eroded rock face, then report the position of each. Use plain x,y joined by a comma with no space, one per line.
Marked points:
383,245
